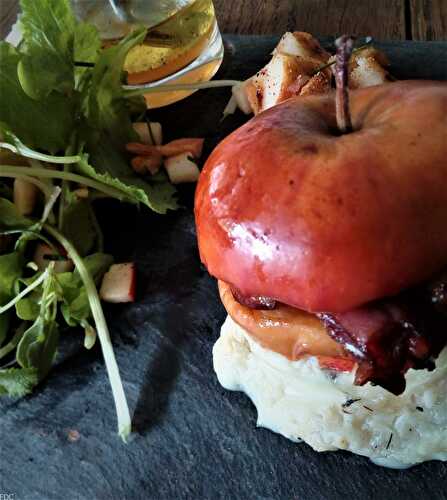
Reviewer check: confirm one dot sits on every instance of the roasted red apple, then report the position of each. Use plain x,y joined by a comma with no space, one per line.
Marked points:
288,207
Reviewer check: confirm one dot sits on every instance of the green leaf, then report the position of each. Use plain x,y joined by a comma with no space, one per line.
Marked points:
87,43
79,226
28,308
37,348
87,46
112,168
75,307
10,217
11,267
108,110
47,28
38,345
45,124
18,382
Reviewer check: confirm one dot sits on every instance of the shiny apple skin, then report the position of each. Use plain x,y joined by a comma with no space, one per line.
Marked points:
287,209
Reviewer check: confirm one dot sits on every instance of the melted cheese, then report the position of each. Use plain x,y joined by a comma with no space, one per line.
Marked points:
303,402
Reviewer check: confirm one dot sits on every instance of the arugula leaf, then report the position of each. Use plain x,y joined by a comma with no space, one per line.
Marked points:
87,46
112,168
76,307
18,381
79,226
37,348
10,219
11,266
28,308
47,28
87,43
108,110
45,124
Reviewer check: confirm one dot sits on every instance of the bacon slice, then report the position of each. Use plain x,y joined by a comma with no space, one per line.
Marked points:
391,336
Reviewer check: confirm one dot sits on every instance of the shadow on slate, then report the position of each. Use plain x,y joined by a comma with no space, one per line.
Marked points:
192,439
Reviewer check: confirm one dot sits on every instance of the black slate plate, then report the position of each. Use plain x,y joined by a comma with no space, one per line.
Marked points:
193,439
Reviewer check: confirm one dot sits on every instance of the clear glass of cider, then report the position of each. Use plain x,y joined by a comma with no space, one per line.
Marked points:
183,43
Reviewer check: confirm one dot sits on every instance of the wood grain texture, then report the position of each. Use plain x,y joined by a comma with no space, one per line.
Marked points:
382,19
8,14
429,19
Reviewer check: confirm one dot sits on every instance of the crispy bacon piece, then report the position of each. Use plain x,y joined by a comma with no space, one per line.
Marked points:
391,336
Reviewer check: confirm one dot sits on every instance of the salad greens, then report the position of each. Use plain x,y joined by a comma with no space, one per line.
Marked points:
65,115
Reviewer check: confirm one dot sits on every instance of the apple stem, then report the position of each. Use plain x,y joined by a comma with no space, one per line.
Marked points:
344,46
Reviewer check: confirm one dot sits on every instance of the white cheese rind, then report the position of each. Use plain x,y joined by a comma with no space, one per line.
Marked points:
302,402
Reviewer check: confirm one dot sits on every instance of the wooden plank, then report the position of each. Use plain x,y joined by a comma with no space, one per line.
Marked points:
382,19
429,19
8,15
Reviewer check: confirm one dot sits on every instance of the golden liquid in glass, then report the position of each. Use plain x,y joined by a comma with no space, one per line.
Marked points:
172,45
178,32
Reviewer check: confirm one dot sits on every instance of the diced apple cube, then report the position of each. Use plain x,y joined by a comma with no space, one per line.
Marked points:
142,129
119,283
157,133
301,44
181,169
152,135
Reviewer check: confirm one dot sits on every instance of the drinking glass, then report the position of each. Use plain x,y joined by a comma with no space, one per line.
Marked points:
183,43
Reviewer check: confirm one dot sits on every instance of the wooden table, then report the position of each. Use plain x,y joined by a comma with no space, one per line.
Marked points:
382,19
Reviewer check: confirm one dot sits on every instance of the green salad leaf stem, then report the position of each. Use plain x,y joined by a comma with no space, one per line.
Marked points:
28,172
122,409
24,292
23,150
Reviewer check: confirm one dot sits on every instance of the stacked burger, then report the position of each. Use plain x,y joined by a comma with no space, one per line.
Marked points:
323,219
